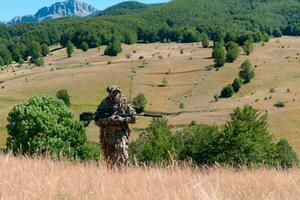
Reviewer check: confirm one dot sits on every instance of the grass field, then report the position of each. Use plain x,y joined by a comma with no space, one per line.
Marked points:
37,178
191,81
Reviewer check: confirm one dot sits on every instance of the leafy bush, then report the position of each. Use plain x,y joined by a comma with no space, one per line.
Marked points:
219,55
198,142
37,61
155,145
277,33
248,47
227,91
233,51
285,156
205,41
84,46
279,104
246,73
140,102
64,96
113,48
70,49
44,124
44,50
237,84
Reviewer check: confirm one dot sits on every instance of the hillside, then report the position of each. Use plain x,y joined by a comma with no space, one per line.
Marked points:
125,8
191,81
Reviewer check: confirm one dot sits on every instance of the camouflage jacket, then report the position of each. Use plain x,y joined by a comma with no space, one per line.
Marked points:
108,106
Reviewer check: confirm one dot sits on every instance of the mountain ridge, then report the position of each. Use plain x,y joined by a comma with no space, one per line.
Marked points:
69,8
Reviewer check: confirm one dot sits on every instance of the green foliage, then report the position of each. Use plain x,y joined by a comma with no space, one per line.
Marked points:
70,49
277,33
233,51
205,41
219,54
37,61
113,48
34,50
199,143
285,156
44,50
279,104
227,91
190,35
237,84
84,46
246,140
16,55
155,145
140,102
64,96
130,37
89,151
246,73
248,47
5,55
44,125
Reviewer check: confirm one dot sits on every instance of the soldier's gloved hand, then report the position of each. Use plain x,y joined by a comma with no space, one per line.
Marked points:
130,119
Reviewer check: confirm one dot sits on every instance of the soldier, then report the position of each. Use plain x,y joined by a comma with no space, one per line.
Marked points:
114,130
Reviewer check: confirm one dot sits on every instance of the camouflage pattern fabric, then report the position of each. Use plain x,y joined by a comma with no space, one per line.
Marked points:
114,131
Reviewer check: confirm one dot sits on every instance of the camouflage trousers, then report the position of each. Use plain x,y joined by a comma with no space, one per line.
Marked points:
115,147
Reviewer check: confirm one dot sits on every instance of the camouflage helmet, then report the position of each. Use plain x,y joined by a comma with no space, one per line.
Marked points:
112,88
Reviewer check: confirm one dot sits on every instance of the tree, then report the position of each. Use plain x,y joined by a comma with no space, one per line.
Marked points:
190,35
227,91
248,47
5,55
37,61
34,50
70,49
84,46
1,61
219,55
277,33
130,37
113,48
205,41
45,125
237,84
44,50
64,96
233,51
16,55
246,140
246,73
140,102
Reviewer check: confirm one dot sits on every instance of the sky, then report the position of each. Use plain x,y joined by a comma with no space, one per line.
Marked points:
12,8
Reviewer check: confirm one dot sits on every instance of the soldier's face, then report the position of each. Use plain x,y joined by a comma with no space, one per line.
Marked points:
116,95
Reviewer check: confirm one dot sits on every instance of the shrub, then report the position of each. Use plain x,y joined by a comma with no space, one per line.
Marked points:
181,106
233,51
285,156
205,41
279,104
237,84
70,49
198,142
277,33
248,47
64,96
219,55
227,91
113,48
246,73
84,46
44,49
37,61
140,102
155,145
44,124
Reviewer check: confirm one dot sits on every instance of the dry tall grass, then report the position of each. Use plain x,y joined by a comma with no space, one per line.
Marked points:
22,178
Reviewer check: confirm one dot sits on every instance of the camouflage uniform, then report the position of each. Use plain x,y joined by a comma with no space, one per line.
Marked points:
114,131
